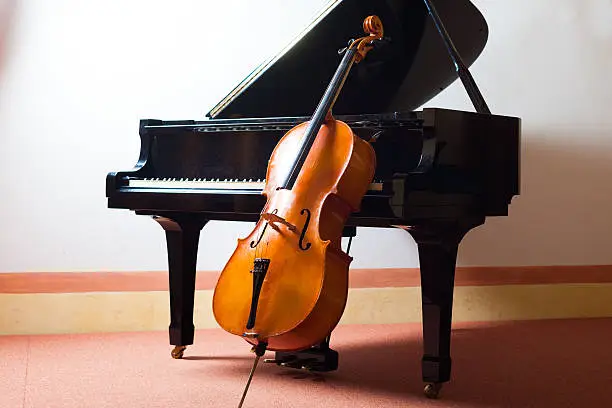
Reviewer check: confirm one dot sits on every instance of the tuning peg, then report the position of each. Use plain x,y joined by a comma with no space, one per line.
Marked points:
343,50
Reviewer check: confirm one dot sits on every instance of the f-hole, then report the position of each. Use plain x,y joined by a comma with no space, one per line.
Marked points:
254,244
304,228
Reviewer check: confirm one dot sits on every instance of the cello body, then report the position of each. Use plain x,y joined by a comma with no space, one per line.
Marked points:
305,288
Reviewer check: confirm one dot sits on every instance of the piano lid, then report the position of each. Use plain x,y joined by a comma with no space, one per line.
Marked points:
401,76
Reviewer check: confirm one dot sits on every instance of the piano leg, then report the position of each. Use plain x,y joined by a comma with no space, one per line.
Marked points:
182,238
438,255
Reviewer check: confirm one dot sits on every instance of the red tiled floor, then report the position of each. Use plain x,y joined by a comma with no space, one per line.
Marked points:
564,363
13,363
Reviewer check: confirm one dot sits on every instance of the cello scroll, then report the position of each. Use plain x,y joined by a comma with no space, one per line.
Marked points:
374,27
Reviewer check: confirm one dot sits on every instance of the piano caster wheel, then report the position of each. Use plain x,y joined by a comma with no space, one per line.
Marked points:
432,390
177,352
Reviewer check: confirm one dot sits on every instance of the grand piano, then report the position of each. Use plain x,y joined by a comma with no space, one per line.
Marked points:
440,172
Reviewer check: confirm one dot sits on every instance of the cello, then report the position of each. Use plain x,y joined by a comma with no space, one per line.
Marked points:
285,286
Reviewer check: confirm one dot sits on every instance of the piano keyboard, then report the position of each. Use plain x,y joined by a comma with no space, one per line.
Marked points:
213,184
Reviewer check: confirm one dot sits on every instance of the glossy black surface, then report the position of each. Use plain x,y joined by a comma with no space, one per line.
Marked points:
182,239
436,163
400,76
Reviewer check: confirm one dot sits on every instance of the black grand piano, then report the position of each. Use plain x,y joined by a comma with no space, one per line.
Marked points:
440,172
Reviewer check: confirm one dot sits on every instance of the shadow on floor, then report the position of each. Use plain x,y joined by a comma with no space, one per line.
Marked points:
522,364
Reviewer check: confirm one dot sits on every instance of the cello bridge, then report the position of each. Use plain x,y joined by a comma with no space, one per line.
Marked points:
274,219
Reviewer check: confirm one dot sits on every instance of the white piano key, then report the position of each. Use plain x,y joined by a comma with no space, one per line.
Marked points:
216,184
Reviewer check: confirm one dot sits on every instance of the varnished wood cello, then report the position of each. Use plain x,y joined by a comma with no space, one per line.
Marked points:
285,286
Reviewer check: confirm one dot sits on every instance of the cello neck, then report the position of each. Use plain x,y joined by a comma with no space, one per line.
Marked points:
318,118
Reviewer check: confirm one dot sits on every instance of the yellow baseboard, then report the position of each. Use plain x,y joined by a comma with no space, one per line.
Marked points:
50,313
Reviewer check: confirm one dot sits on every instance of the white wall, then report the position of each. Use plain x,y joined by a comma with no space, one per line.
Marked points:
78,76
